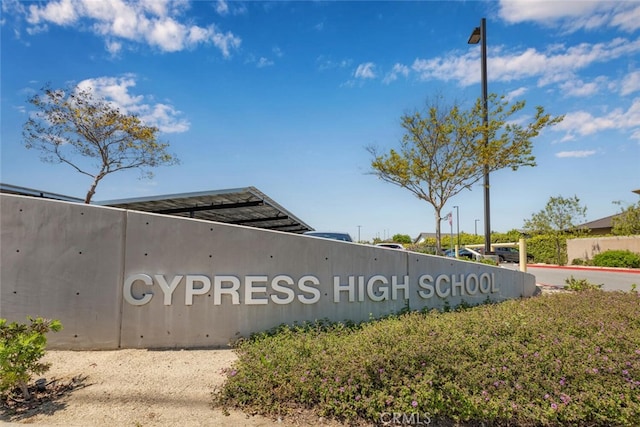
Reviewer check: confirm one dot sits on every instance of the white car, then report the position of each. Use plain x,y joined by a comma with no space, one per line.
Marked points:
390,245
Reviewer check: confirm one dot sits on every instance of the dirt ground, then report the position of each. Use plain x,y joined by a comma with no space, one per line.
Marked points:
141,388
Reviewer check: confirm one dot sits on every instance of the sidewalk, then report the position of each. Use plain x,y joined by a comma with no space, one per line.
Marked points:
587,268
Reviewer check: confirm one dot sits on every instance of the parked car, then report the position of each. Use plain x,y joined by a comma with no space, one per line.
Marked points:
509,254
390,245
345,237
462,253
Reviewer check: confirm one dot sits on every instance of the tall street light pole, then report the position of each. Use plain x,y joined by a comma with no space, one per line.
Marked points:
480,34
476,225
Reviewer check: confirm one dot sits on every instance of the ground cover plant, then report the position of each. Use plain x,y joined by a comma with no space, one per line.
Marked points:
580,285
560,359
22,346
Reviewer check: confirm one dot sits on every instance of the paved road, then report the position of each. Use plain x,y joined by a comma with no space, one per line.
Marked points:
611,279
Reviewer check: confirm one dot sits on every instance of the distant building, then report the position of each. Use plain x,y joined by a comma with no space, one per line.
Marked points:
604,225
422,237
600,226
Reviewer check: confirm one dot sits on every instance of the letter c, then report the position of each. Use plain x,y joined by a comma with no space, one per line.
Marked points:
128,283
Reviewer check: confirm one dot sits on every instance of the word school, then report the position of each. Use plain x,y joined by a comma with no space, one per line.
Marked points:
284,289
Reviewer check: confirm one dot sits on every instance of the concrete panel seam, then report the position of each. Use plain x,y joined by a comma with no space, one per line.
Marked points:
123,252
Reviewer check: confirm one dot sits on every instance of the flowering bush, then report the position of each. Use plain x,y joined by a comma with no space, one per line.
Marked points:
561,359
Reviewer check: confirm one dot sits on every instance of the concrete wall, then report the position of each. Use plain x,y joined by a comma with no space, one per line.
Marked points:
587,248
125,279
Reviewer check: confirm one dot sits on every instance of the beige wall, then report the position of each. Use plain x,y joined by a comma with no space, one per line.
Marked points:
587,248
125,279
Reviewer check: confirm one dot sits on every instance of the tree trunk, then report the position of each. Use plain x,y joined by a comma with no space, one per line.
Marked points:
25,390
438,244
92,190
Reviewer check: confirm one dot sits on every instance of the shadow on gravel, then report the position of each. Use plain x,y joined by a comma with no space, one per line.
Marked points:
46,398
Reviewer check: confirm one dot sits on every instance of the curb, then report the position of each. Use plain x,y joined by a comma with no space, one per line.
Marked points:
589,268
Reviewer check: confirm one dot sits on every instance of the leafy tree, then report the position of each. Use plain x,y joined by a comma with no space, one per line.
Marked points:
71,126
402,238
558,220
443,150
627,223
510,236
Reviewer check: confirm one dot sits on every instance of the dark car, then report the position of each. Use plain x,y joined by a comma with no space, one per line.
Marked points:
509,254
345,237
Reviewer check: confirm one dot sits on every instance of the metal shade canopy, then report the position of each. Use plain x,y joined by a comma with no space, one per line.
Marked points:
241,206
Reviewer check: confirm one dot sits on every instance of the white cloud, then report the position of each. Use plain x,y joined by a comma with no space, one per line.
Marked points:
516,93
325,63
365,71
579,88
555,65
164,117
568,137
584,123
629,20
167,34
226,42
116,90
579,154
222,8
397,70
62,12
113,47
630,83
572,15
264,62
155,22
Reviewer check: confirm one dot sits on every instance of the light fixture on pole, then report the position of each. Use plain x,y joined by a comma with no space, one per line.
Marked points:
458,224
480,34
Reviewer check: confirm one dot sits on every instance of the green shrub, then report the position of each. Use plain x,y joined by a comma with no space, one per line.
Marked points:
617,258
544,249
486,261
21,348
580,285
561,359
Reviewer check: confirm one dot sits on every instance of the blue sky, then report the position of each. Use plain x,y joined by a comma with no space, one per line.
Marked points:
286,96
